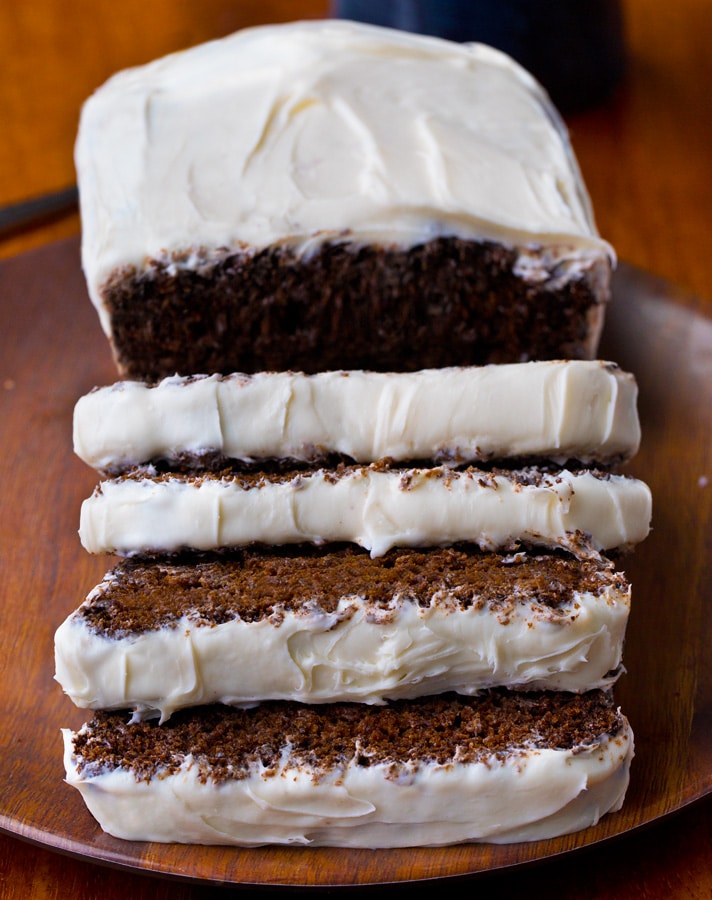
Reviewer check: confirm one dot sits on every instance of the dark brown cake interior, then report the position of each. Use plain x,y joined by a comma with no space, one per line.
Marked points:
140,595
226,743
442,303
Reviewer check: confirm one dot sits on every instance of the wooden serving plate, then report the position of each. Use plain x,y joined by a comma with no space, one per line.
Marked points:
52,352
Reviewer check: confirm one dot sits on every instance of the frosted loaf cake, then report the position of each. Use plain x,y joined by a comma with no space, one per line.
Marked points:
374,507
363,467
248,202
334,624
501,767
556,411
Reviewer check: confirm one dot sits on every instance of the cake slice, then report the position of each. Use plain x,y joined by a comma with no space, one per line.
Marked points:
327,194
504,766
336,625
375,507
555,411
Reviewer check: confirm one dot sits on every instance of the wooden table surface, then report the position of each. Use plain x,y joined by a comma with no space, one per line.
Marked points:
646,160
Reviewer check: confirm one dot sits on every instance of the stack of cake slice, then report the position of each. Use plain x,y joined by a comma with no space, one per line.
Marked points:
366,594
390,636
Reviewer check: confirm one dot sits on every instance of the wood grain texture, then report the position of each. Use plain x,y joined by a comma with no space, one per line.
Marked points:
52,352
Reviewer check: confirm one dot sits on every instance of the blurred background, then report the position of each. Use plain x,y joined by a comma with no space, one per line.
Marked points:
576,50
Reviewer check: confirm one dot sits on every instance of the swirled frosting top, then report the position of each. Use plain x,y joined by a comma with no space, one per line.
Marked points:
307,131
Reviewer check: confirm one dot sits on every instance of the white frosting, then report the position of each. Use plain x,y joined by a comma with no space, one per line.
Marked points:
376,509
555,410
356,653
327,130
536,794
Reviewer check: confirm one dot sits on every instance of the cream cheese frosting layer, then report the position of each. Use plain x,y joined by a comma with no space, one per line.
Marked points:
529,794
541,795
376,508
584,410
355,652
326,130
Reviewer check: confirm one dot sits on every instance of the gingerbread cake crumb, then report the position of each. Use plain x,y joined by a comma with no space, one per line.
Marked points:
447,301
141,595
227,743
